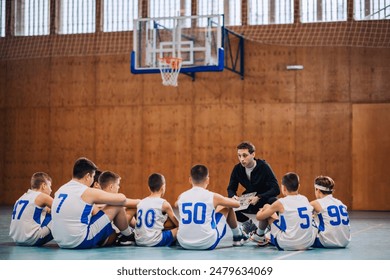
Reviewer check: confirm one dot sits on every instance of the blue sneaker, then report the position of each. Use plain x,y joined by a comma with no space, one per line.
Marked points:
239,240
248,226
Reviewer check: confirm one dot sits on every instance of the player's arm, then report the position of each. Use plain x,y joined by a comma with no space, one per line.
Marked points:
316,205
233,184
167,208
44,200
268,210
220,200
132,203
92,196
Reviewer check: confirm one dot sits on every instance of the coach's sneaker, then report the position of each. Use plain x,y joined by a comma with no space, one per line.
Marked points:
248,226
124,240
239,240
261,240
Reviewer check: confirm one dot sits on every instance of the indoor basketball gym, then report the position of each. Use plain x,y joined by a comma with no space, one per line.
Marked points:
149,86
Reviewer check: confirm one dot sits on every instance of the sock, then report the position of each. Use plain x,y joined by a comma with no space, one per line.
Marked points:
126,232
236,231
260,231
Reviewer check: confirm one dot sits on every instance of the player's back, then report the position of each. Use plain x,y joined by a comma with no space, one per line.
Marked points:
197,219
26,219
333,223
150,221
70,215
295,223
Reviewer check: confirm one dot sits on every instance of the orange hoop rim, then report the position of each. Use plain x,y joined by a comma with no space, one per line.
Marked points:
173,62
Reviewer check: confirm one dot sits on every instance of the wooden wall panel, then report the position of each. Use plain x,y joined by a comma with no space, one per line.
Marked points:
28,81
371,153
118,140
325,75
167,147
3,124
155,93
27,149
115,86
72,135
3,93
271,128
218,88
266,77
3,84
370,72
72,82
323,146
217,129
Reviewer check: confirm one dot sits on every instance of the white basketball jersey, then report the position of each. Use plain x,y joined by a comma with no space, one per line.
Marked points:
294,229
150,221
197,226
70,215
26,220
333,223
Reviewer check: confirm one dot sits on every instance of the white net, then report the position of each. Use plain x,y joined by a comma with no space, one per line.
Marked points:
170,69
88,27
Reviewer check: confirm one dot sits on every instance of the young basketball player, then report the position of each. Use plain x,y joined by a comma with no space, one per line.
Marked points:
332,219
204,215
110,182
73,224
152,213
290,218
31,219
95,183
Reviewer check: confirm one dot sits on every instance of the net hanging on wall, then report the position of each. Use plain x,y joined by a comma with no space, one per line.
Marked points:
354,26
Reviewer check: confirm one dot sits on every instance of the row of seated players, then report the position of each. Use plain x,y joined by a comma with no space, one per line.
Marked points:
89,212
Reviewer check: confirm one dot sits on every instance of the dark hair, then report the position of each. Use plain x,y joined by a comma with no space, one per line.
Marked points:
96,178
326,182
155,182
38,179
291,181
82,167
106,178
199,173
247,145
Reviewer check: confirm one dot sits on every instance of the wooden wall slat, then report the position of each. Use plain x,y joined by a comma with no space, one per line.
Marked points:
266,77
370,153
72,82
217,129
72,135
28,83
166,147
271,128
370,72
325,76
27,149
323,146
115,86
118,138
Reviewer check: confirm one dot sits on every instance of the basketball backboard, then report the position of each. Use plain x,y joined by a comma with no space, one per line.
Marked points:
197,40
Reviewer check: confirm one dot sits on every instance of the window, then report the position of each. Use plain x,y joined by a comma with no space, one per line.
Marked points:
323,10
270,11
32,17
2,18
170,8
118,15
76,16
371,9
231,9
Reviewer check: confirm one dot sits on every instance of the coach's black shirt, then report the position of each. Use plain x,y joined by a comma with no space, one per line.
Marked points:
263,180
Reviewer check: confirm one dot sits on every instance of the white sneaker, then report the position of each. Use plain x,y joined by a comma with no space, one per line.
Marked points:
259,239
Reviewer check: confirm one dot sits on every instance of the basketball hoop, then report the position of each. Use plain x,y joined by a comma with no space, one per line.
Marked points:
170,69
